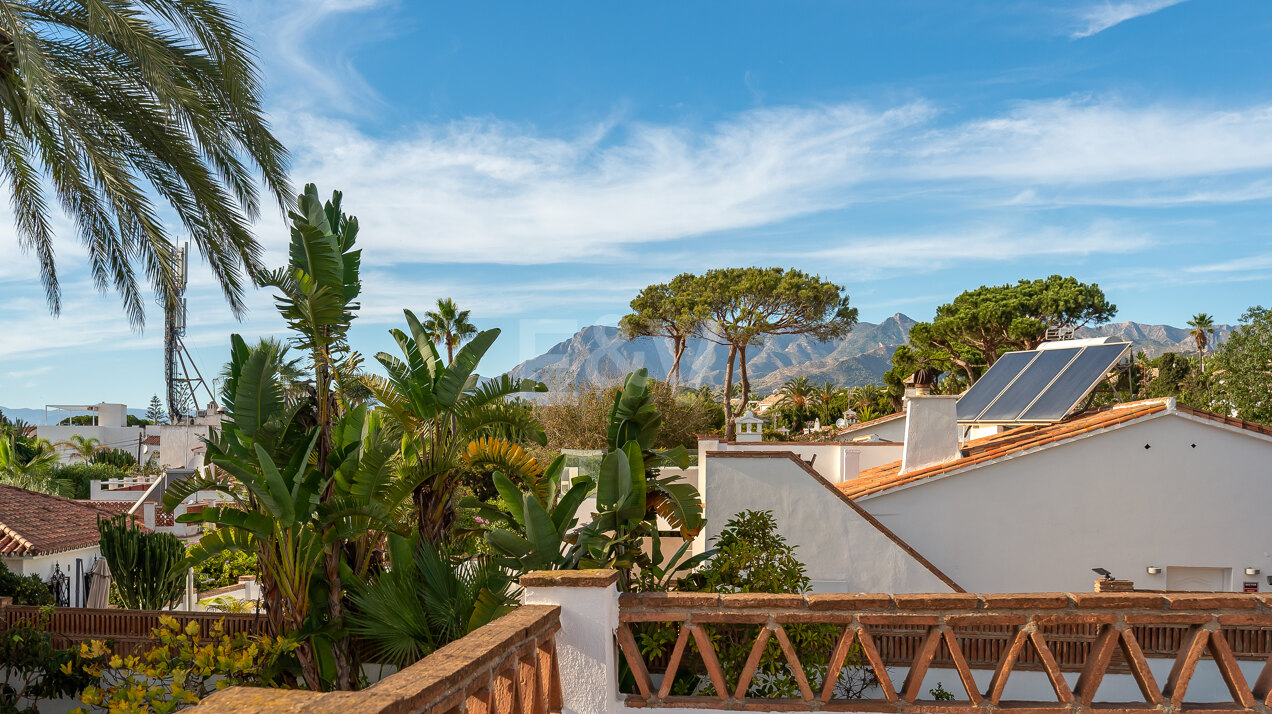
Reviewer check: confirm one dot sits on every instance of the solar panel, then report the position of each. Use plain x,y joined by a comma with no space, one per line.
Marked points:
974,400
1033,381
1077,380
1039,385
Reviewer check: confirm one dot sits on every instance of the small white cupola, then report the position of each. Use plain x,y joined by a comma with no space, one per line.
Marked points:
750,428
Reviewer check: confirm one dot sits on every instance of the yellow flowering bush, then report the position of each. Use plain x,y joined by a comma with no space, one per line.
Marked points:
182,667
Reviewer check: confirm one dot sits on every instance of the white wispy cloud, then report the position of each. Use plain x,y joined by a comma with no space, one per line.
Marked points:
1097,18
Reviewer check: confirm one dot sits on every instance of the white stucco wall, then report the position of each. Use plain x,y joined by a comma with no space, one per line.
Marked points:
891,430
177,445
835,461
1039,522
124,438
833,540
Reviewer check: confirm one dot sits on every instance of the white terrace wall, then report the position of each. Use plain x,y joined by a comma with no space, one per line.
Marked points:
1171,491
835,461
832,539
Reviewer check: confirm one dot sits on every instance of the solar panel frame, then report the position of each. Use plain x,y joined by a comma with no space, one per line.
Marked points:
1033,381
1077,380
999,377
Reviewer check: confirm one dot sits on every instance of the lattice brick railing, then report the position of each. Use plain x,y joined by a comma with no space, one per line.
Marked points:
945,627
508,666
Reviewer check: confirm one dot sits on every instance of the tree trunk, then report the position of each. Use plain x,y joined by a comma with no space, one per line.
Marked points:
335,592
433,513
450,350
677,351
728,394
746,381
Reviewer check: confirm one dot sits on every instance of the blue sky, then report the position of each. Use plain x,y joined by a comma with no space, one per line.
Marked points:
541,162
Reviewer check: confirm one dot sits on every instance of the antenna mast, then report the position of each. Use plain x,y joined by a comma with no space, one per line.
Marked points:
177,361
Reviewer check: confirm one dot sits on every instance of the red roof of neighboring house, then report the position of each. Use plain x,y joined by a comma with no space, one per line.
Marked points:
38,524
151,441
1026,438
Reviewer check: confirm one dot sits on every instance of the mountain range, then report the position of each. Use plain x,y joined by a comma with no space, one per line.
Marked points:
600,353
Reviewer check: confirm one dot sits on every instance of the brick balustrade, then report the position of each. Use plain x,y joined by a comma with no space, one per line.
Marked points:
509,665
944,628
130,631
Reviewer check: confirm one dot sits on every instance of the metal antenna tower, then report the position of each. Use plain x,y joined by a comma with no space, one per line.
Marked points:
177,361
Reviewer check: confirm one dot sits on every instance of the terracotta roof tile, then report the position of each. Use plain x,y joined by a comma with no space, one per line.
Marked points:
151,441
38,524
1013,441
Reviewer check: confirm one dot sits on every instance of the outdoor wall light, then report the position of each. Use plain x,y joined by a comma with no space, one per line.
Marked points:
1154,570
1252,571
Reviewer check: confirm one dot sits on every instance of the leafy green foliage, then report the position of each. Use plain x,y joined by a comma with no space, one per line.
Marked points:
673,310
32,669
429,598
439,410
181,668
110,105
81,476
1239,372
224,568
971,332
25,590
148,568
751,557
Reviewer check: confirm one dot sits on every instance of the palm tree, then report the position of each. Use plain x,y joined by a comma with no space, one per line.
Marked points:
826,394
1203,325
34,474
448,325
109,104
797,392
442,412
83,447
290,370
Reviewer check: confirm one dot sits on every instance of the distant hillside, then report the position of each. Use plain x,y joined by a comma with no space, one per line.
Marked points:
599,353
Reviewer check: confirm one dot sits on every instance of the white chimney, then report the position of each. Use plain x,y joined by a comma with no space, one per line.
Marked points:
931,431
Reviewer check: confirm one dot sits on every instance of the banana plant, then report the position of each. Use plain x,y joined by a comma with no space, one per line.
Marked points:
531,533
634,418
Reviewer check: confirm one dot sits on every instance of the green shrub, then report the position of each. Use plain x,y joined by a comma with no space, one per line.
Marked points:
224,568
753,557
32,669
82,475
28,590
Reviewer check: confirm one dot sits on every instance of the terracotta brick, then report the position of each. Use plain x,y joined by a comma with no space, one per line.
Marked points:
848,601
979,619
1076,618
937,601
660,600
899,620
569,579
1125,601
833,618
746,617
1216,601
652,615
1256,619
1026,601
765,600
1167,618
